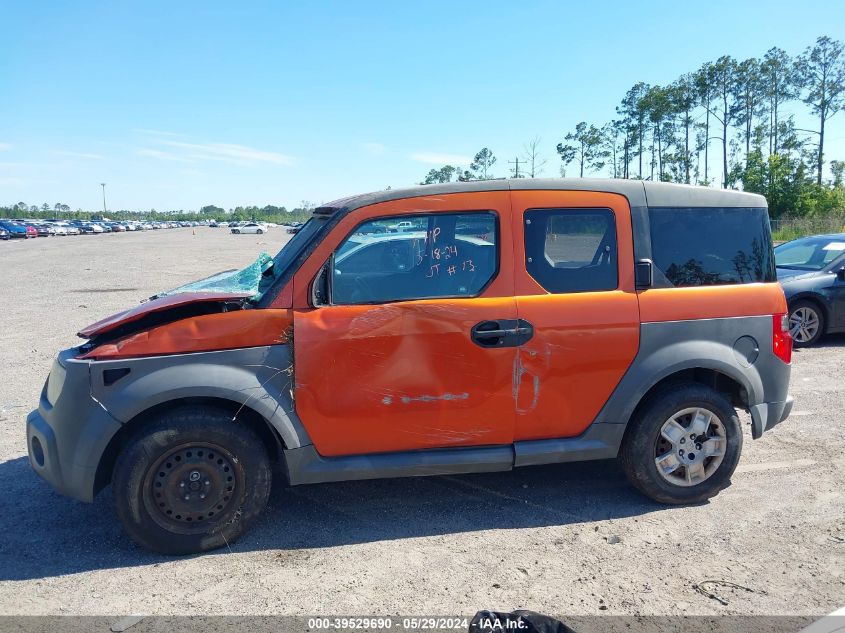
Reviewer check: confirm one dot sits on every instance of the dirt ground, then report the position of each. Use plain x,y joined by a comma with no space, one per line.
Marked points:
569,539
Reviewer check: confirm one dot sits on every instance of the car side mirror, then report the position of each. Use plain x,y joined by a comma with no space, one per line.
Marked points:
643,274
840,274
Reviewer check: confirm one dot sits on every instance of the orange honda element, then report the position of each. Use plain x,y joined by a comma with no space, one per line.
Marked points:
503,324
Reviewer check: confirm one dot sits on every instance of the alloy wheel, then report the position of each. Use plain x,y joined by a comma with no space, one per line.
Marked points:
690,447
804,324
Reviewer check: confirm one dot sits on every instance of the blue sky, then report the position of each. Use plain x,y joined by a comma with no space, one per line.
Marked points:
182,104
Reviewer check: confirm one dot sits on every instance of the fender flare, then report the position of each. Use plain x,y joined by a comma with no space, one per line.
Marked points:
648,370
258,378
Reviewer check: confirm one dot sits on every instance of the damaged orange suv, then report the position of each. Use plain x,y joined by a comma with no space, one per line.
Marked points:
461,328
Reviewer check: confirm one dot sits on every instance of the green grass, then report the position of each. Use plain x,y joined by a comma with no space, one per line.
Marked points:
786,229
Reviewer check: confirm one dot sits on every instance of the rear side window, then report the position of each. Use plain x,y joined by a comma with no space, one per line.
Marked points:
416,257
711,246
571,250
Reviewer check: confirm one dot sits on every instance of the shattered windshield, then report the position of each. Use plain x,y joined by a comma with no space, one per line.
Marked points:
254,280
243,281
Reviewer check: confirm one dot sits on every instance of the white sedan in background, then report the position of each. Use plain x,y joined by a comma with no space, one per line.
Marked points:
250,227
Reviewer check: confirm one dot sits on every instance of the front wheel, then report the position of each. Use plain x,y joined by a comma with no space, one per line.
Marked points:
259,231
806,323
193,480
683,446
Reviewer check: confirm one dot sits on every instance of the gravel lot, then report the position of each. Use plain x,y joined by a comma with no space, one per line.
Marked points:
569,539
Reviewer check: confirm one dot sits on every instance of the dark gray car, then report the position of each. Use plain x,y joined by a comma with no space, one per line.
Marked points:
812,273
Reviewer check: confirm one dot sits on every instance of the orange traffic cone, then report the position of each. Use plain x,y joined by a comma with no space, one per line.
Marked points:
193,231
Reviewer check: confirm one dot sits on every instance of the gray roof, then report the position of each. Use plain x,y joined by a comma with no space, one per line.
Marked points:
639,193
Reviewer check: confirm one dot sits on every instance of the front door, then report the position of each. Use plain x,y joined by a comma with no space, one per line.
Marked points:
573,262
414,343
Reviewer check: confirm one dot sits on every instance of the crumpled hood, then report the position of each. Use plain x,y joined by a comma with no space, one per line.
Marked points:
159,304
227,286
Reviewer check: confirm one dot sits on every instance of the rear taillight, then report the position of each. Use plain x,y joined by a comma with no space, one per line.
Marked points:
781,340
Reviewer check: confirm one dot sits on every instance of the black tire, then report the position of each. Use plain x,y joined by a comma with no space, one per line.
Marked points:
193,447
811,307
640,444
259,231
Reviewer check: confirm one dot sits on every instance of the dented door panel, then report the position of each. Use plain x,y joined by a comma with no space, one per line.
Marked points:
582,346
583,342
406,375
403,376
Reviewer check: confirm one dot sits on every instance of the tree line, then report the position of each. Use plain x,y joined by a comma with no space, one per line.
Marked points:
728,112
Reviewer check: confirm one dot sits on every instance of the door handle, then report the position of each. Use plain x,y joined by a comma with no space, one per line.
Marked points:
502,333
483,334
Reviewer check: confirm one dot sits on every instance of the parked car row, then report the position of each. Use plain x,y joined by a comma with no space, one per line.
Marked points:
239,227
10,229
255,227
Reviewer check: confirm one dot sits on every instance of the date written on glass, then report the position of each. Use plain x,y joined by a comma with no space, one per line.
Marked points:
438,253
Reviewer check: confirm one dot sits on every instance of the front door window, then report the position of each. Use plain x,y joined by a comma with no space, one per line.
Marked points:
415,257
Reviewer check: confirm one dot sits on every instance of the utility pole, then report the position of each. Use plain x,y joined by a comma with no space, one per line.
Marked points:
103,185
516,167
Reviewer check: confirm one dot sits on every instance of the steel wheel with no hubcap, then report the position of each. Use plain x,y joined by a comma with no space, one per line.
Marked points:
189,485
690,447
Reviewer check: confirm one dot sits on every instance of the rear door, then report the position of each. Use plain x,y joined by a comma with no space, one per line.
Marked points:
574,281
411,345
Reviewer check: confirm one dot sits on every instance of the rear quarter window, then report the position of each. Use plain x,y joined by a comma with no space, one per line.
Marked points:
711,246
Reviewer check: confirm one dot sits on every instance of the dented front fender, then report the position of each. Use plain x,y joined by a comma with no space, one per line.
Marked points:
259,378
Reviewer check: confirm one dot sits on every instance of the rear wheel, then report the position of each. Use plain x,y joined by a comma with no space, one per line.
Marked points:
683,446
259,231
191,481
806,323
